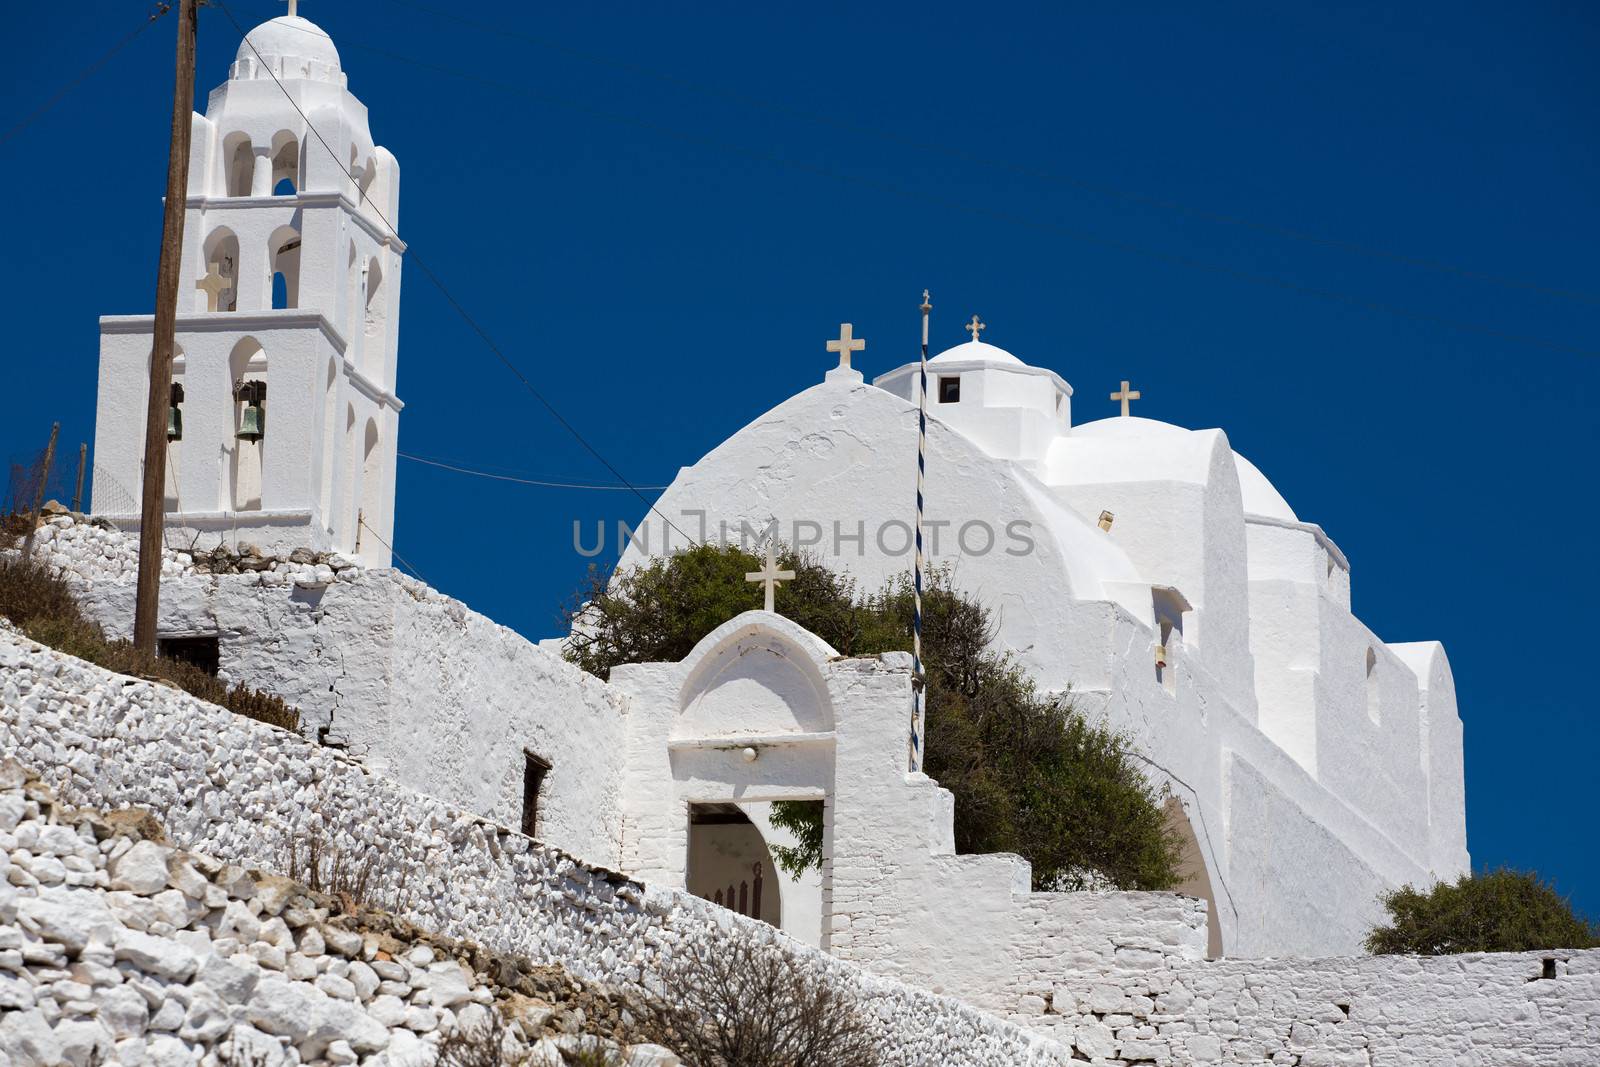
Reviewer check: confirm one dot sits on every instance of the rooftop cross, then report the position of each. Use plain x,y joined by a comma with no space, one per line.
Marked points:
213,283
845,345
294,8
973,327
770,574
1125,395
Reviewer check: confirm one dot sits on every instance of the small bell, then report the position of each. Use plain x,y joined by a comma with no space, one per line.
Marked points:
175,414
250,424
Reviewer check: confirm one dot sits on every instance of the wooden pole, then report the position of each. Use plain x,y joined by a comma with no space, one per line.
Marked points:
77,494
153,498
38,494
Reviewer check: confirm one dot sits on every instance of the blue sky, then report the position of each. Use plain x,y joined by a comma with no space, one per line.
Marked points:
661,212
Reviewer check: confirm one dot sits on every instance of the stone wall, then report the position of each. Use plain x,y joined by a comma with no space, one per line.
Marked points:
1518,1009
415,682
241,791
116,948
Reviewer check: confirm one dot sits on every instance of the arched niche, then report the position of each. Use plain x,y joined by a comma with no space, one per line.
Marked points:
284,249
247,362
171,495
756,681
239,164
371,490
375,322
1196,871
285,164
330,441
221,247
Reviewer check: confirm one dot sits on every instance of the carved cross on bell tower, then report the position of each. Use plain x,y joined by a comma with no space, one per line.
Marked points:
213,284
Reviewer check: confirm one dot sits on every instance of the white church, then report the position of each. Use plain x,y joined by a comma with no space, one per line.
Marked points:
1146,567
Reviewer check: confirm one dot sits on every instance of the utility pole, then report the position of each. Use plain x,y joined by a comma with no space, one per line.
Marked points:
38,493
77,494
153,498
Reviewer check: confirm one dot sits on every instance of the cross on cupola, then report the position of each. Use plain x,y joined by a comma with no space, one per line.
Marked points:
294,8
1125,395
846,344
770,575
973,327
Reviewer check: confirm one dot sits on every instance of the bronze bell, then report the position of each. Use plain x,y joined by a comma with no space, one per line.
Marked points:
250,424
175,414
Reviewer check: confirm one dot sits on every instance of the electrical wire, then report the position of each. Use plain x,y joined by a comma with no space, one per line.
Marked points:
415,573
1201,811
1009,218
438,283
83,75
990,161
517,480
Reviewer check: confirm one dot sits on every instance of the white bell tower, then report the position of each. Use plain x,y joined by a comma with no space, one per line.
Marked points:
284,413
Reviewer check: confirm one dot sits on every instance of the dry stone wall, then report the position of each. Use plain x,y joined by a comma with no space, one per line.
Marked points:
241,791
118,949
415,682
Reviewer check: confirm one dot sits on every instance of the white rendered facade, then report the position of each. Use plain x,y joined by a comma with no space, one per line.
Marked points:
1317,764
305,299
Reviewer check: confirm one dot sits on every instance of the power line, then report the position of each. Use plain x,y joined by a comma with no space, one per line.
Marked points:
416,573
83,75
1009,218
519,481
439,284
1026,170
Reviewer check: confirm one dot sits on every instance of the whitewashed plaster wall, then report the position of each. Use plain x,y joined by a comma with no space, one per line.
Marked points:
1077,612
896,897
420,685
237,790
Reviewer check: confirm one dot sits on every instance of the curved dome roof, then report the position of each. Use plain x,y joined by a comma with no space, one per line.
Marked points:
1258,495
298,47
976,351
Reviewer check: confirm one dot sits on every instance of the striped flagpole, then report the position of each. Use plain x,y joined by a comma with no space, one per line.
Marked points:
918,676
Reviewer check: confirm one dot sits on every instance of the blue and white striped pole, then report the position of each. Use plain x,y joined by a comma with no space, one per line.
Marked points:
918,676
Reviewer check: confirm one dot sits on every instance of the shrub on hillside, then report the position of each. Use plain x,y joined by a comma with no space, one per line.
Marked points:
1030,774
1494,911
39,601
742,1003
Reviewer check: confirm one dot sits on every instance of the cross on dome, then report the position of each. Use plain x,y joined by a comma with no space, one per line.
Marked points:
294,8
213,284
973,327
770,575
1125,395
846,344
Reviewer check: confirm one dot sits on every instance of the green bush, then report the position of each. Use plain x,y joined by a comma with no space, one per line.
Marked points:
39,601
1030,775
1494,911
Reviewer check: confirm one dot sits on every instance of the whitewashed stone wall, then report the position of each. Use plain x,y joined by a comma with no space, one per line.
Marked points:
418,684
117,949
236,790
1478,1010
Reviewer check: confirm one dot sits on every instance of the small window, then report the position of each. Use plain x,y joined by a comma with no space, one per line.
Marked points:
534,769
199,652
950,390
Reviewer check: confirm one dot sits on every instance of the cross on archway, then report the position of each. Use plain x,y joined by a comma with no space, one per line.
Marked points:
846,344
770,574
213,285
1125,394
973,327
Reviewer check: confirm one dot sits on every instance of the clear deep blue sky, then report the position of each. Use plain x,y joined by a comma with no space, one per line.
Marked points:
662,211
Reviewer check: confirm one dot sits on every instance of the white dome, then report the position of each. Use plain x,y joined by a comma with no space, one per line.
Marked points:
292,47
1260,496
976,351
